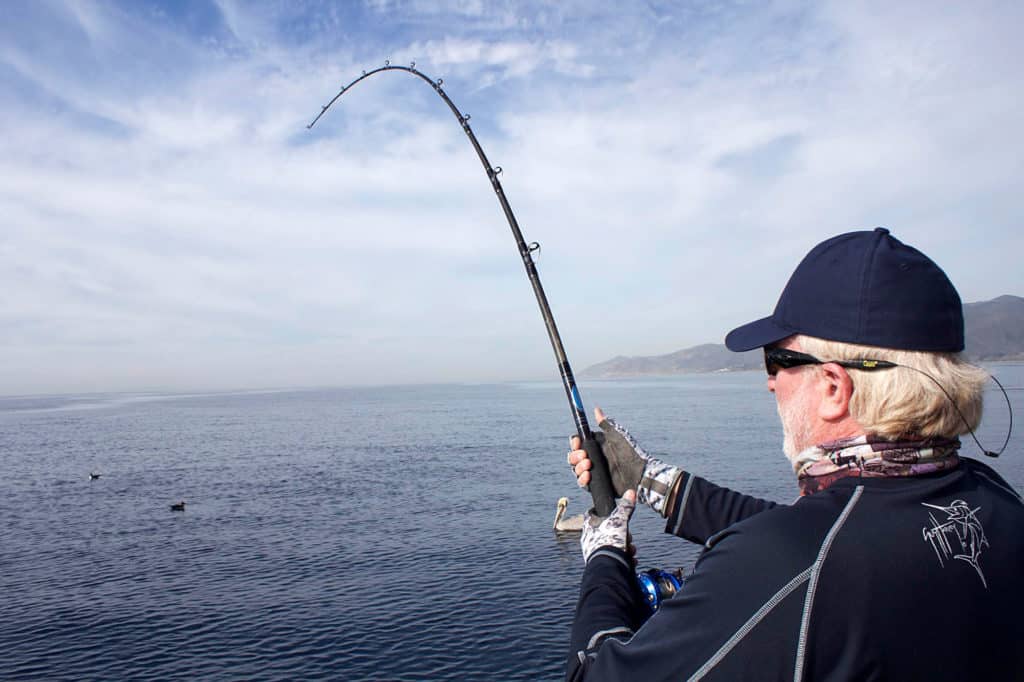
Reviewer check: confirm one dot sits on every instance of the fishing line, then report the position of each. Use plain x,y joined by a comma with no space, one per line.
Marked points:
600,481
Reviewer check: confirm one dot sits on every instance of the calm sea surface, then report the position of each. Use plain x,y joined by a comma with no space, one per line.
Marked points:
358,534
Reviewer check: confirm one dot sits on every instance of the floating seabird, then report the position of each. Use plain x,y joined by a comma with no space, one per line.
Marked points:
178,506
573,524
93,475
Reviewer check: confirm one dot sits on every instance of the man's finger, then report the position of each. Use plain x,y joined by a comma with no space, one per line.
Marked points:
598,414
583,479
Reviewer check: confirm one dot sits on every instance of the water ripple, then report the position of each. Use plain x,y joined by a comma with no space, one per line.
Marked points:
318,541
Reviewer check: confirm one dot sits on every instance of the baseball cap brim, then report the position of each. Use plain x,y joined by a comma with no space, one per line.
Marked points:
756,334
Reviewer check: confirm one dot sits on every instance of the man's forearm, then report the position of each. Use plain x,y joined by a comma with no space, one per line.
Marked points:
610,606
697,508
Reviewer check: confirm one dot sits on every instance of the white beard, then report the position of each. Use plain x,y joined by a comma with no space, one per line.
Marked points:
796,427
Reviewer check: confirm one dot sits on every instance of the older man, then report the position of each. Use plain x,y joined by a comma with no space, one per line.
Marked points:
900,560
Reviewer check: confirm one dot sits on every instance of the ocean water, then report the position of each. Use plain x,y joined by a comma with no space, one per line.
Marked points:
399,533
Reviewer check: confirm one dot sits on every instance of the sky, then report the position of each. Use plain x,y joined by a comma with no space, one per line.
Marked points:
168,222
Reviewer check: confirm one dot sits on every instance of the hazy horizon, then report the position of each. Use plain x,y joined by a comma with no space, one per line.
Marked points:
171,225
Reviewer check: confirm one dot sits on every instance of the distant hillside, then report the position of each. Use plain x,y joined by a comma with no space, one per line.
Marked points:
708,357
994,331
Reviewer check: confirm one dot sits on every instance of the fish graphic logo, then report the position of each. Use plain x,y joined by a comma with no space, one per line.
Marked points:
960,529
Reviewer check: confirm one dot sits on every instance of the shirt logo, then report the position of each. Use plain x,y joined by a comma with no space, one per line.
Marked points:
960,529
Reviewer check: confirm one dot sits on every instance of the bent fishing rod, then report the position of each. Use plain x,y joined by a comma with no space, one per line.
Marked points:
600,480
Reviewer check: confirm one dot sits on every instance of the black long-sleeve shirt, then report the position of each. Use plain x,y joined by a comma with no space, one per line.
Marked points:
918,578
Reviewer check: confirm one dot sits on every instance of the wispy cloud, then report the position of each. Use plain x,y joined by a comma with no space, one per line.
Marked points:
169,222
514,59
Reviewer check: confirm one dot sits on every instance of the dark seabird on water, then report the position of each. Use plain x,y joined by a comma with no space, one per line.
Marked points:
178,506
93,475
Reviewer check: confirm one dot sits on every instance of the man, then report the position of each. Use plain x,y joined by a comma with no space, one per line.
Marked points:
900,560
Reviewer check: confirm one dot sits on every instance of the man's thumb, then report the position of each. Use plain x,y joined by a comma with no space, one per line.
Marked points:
628,502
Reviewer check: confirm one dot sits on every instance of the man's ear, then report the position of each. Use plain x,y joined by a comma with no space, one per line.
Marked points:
836,391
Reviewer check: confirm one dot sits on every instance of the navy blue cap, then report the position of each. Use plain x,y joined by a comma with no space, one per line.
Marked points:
867,288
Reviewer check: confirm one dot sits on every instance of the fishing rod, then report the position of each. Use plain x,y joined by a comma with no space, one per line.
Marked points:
600,480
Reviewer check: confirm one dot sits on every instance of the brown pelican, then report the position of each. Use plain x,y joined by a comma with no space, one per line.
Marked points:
573,524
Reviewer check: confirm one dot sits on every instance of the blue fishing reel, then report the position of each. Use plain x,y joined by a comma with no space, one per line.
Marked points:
657,585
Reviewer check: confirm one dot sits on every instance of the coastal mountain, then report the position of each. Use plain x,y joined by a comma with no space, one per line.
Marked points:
994,331
707,357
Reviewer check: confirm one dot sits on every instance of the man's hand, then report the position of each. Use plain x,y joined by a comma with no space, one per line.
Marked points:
612,531
629,465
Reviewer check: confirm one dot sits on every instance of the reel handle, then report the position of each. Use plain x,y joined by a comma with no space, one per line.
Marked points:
600,479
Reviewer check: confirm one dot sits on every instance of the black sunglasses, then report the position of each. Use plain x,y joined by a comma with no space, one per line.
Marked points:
783,358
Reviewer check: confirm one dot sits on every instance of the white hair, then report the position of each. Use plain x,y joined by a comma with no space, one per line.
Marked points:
901,402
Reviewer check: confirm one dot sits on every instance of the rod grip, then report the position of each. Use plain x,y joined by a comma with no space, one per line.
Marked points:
600,480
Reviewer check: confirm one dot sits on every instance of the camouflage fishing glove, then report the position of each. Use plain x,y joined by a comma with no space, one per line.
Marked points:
631,467
612,531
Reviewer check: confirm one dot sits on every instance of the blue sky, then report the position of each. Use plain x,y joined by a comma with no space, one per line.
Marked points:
170,223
